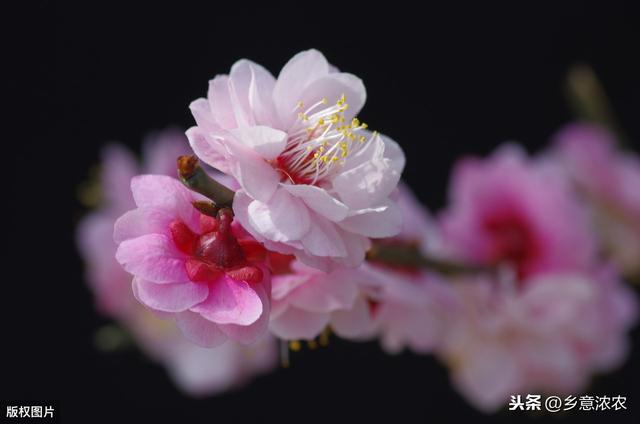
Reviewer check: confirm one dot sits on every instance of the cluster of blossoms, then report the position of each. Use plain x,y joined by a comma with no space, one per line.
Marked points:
306,228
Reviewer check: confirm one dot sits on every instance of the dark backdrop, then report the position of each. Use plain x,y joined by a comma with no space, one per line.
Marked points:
442,81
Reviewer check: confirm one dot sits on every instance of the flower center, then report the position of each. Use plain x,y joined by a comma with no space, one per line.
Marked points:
217,251
512,239
319,142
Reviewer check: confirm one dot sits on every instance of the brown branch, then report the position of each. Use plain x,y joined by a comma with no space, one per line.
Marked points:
195,178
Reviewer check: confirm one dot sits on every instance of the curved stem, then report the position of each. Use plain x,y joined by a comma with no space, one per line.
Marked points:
194,177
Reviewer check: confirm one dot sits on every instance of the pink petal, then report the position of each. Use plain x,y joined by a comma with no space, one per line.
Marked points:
199,330
296,324
323,238
282,219
332,87
255,175
374,179
175,297
356,246
375,222
319,200
265,141
201,111
253,86
248,334
167,194
231,302
326,292
119,165
140,222
354,323
208,149
296,75
152,257
220,102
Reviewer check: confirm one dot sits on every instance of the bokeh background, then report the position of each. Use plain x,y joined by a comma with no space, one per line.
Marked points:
444,81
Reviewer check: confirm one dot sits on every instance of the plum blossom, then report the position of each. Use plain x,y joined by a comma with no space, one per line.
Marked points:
205,271
550,314
608,181
314,182
509,210
307,300
548,334
196,370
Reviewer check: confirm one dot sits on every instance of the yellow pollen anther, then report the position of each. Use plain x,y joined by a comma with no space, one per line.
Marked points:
295,345
300,104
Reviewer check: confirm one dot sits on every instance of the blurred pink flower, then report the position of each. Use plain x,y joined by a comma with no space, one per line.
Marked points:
314,182
196,370
205,271
547,335
201,371
307,300
510,210
609,181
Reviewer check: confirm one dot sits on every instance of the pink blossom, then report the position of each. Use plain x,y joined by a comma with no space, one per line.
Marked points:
609,181
196,370
507,209
314,182
307,300
548,334
205,271
201,371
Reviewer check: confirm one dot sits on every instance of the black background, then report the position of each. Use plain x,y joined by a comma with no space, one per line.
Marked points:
442,81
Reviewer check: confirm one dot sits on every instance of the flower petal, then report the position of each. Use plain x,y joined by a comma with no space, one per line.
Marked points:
175,297
265,141
167,194
323,238
374,179
139,222
296,324
209,149
296,75
253,85
248,334
374,222
220,102
319,200
282,219
354,323
230,302
253,173
152,257
333,87
326,292
199,330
